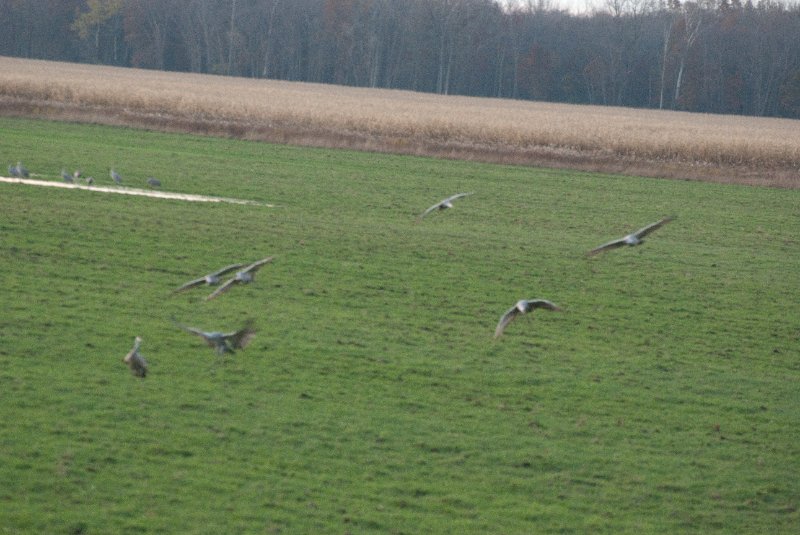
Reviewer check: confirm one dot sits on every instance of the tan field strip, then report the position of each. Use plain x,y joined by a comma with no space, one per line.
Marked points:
761,151
131,191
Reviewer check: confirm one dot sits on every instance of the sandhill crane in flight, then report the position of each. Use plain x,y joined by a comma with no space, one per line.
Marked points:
242,277
115,177
223,342
523,306
135,361
442,205
210,279
635,238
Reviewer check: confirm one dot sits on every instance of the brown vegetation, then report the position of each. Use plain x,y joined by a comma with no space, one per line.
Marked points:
738,149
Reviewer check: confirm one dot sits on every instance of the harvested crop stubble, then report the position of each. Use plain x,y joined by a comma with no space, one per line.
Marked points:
763,151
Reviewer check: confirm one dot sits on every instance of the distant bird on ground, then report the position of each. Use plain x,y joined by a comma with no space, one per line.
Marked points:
523,306
76,174
115,177
223,342
210,279
135,361
635,238
12,170
21,171
442,205
66,176
153,182
242,277
90,180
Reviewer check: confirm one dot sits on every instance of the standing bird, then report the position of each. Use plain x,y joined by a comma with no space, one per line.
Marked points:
153,182
210,279
12,170
242,277
66,176
90,180
76,174
442,205
115,177
635,238
223,342
135,361
523,306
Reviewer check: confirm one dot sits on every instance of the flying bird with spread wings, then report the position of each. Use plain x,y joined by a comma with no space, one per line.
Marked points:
135,360
523,306
242,277
223,342
634,238
442,205
210,279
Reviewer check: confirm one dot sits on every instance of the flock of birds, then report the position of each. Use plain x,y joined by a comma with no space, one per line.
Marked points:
524,306
245,273
221,342
19,171
229,342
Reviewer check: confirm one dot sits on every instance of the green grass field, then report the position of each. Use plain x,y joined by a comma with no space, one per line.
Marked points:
663,399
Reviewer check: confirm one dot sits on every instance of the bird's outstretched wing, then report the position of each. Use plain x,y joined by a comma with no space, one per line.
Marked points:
456,196
442,202
255,266
223,288
543,303
606,246
652,226
226,269
202,280
242,337
196,332
505,319
190,284
428,211
252,268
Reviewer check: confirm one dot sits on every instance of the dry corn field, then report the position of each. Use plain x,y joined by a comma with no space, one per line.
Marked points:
759,151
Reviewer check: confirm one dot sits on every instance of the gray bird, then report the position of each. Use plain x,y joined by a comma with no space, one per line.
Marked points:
523,306
153,182
242,277
443,205
76,174
635,238
90,180
21,171
210,279
135,361
12,170
223,342
115,177
66,176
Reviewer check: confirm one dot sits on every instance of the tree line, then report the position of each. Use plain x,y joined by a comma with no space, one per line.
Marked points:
717,56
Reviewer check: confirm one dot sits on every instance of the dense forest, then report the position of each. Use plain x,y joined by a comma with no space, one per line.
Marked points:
718,56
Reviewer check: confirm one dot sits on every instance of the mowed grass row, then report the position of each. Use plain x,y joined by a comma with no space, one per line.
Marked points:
374,398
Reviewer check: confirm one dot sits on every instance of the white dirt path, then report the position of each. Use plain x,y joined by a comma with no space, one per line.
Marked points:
132,191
